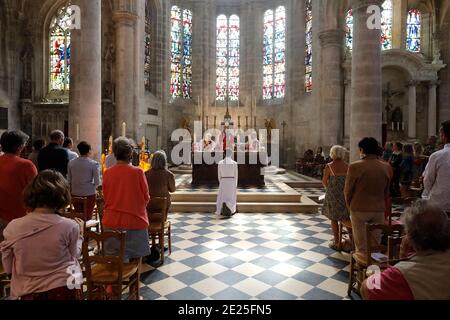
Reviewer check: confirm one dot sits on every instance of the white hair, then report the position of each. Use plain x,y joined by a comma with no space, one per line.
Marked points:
338,153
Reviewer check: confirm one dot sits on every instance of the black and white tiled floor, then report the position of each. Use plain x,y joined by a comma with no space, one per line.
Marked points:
251,256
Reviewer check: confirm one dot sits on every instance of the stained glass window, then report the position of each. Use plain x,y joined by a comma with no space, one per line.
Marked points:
386,25
227,56
147,46
59,45
349,29
413,31
181,53
308,47
274,54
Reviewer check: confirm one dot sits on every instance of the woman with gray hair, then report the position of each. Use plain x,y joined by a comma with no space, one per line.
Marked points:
426,275
160,180
126,196
334,206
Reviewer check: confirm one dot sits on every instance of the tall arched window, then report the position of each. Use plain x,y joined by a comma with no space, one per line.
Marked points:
228,46
308,47
59,41
386,25
413,31
147,45
181,53
349,29
274,55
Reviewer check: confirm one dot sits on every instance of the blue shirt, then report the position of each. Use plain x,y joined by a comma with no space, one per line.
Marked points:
84,176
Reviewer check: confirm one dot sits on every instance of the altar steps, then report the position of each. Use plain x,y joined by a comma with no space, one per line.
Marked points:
306,205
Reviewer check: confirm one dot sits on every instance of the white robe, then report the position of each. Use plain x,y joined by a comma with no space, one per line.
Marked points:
228,182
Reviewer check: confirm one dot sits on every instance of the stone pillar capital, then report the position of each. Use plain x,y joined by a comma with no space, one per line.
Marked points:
434,84
358,4
412,83
332,38
124,18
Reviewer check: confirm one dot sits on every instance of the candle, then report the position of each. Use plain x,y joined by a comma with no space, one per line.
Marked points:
392,126
124,129
78,131
398,126
403,126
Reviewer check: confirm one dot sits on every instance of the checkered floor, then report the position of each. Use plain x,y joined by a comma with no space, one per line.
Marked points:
251,256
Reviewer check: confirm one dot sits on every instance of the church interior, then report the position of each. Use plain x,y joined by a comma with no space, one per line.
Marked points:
311,77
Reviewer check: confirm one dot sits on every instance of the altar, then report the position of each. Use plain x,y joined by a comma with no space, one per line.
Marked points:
249,171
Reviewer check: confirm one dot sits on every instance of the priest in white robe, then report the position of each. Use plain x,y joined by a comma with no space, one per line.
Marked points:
228,182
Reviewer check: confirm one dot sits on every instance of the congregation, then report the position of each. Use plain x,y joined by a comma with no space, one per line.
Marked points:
40,241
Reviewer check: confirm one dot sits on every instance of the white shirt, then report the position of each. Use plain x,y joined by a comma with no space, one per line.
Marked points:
437,179
72,155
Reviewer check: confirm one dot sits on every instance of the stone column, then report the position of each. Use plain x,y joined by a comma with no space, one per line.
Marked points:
366,101
332,91
412,110
125,20
85,120
432,109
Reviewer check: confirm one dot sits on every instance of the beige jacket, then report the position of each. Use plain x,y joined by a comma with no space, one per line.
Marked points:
367,185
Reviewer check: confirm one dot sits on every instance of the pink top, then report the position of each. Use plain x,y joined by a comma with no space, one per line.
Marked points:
391,285
40,251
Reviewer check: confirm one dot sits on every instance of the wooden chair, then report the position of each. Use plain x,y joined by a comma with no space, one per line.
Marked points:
348,225
4,282
376,255
103,270
159,226
93,223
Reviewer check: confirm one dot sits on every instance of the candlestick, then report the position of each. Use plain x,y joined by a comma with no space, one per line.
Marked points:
246,122
239,122
254,127
392,126
215,122
398,126
124,129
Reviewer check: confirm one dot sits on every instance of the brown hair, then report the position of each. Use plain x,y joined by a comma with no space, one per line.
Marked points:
48,190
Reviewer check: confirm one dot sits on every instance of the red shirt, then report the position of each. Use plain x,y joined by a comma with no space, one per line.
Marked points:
15,174
392,286
126,196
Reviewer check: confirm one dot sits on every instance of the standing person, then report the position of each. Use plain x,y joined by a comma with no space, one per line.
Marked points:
54,156
366,188
68,145
126,195
431,146
334,206
15,174
437,173
420,163
160,180
37,146
406,170
41,249
84,177
387,151
395,161
226,205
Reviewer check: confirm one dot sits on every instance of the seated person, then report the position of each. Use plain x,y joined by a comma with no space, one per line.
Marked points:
160,180
425,276
41,247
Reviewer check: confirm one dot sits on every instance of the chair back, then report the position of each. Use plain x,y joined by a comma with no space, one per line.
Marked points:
373,247
158,210
78,208
113,263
